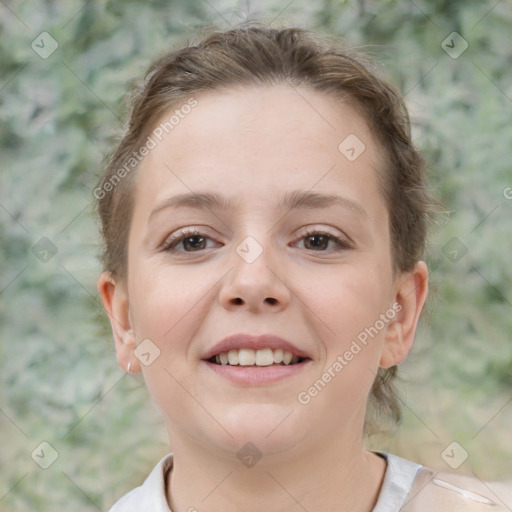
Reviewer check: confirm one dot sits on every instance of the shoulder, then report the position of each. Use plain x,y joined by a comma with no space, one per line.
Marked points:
151,495
453,492
133,500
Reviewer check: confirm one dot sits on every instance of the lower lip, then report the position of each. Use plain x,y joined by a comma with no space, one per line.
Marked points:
256,375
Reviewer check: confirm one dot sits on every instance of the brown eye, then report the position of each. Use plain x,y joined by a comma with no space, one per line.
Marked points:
196,242
189,239
318,241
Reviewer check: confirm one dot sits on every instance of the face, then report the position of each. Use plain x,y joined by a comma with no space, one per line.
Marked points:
297,248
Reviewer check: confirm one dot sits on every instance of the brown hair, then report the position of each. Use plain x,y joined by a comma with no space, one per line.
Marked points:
253,54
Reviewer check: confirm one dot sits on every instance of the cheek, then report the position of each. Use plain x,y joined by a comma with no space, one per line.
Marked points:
348,300
351,304
166,304
164,300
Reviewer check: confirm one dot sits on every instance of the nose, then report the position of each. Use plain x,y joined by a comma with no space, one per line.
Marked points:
256,281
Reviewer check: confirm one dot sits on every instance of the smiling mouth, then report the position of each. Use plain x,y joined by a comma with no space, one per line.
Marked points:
247,357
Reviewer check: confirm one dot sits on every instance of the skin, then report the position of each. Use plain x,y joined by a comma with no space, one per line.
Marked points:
255,144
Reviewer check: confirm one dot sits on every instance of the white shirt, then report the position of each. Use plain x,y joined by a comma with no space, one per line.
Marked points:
407,487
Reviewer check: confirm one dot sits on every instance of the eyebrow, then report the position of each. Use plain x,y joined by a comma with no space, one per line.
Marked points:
297,199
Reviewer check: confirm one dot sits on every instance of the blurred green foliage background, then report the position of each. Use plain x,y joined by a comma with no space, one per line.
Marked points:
60,114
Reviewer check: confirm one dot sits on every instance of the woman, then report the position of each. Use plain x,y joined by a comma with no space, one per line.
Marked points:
264,220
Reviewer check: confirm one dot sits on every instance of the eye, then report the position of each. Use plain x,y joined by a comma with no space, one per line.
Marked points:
188,238
319,241
192,240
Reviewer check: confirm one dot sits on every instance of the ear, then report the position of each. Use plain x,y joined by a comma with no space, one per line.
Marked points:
114,296
410,297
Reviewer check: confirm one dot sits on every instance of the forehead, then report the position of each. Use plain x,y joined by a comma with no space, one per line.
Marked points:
258,141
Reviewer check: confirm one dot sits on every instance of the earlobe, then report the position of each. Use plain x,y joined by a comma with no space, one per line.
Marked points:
114,297
411,295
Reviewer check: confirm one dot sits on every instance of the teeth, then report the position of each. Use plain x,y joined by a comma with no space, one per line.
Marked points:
233,357
246,357
278,355
264,357
250,357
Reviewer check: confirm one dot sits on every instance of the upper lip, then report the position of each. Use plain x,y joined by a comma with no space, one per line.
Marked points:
256,342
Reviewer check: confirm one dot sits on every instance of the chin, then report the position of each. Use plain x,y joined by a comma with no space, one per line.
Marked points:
271,428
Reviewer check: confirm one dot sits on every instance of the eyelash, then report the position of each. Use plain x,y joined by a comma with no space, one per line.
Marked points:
342,245
174,240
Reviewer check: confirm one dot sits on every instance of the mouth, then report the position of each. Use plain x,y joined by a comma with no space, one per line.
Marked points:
248,357
250,360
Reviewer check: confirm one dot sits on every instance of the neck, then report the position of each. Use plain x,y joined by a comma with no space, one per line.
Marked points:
333,477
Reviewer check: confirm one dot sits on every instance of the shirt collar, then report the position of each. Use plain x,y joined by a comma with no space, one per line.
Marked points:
398,479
